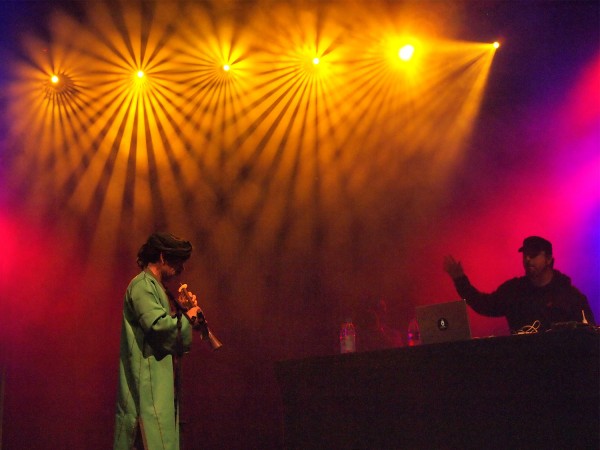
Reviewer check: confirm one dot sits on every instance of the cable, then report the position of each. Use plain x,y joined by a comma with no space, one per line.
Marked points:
529,329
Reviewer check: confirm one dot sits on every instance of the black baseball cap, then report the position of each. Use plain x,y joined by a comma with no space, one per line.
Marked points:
536,244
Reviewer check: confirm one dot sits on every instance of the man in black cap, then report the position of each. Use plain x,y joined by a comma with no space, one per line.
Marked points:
156,331
533,302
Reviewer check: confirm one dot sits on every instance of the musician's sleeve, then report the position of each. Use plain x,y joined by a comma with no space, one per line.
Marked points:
151,307
494,304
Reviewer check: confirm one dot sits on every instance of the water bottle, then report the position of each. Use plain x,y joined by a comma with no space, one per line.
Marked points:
413,335
347,337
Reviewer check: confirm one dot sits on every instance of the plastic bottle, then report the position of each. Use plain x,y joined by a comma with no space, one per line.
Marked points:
413,335
347,337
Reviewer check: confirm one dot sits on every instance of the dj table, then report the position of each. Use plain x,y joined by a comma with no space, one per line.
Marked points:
513,392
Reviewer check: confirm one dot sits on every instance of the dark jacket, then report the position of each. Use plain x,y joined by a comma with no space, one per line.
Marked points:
522,303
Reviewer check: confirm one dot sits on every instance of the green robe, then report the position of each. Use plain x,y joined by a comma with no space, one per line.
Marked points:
146,396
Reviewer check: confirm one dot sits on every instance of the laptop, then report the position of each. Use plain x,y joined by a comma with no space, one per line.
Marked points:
443,322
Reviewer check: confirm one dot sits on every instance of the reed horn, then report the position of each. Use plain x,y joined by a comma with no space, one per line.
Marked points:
206,334
201,324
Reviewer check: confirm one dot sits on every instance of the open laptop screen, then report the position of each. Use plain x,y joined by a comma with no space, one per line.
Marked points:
443,322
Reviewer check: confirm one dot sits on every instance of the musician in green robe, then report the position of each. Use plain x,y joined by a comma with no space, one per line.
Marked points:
153,337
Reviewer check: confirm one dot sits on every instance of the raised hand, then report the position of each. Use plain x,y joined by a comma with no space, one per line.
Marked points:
453,267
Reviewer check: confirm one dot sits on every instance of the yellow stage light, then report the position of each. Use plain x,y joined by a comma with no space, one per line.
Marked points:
256,149
496,44
55,79
406,52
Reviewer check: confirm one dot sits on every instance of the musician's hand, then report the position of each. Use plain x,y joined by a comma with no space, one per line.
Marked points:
453,267
192,313
186,299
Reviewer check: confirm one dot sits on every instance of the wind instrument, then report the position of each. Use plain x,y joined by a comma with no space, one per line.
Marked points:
199,322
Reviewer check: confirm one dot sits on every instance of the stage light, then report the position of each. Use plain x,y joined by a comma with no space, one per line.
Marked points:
406,52
496,44
59,86
316,61
140,74
226,67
